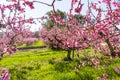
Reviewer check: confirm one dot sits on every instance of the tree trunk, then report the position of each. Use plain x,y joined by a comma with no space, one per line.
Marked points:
112,52
1,56
73,54
69,55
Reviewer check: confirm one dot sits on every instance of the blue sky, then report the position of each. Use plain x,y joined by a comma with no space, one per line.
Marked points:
41,9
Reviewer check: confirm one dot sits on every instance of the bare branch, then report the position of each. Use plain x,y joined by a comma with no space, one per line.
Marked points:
43,3
51,5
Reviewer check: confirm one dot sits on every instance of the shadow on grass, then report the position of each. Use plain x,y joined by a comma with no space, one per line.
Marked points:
63,65
18,74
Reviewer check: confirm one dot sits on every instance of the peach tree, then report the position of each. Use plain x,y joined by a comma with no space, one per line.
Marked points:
99,31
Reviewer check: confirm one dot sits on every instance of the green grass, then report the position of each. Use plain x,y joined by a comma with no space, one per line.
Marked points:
52,65
37,43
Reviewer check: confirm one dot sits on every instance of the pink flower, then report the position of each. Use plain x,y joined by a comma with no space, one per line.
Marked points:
117,69
93,5
83,64
95,62
5,74
76,69
74,1
14,0
78,9
5,50
30,4
107,1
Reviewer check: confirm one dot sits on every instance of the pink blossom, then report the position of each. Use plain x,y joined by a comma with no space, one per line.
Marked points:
5,50
79,8
14,0
5,74
30,4
74,1
117,69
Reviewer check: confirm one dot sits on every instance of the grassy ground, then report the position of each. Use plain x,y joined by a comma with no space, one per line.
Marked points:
35,44
52,65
